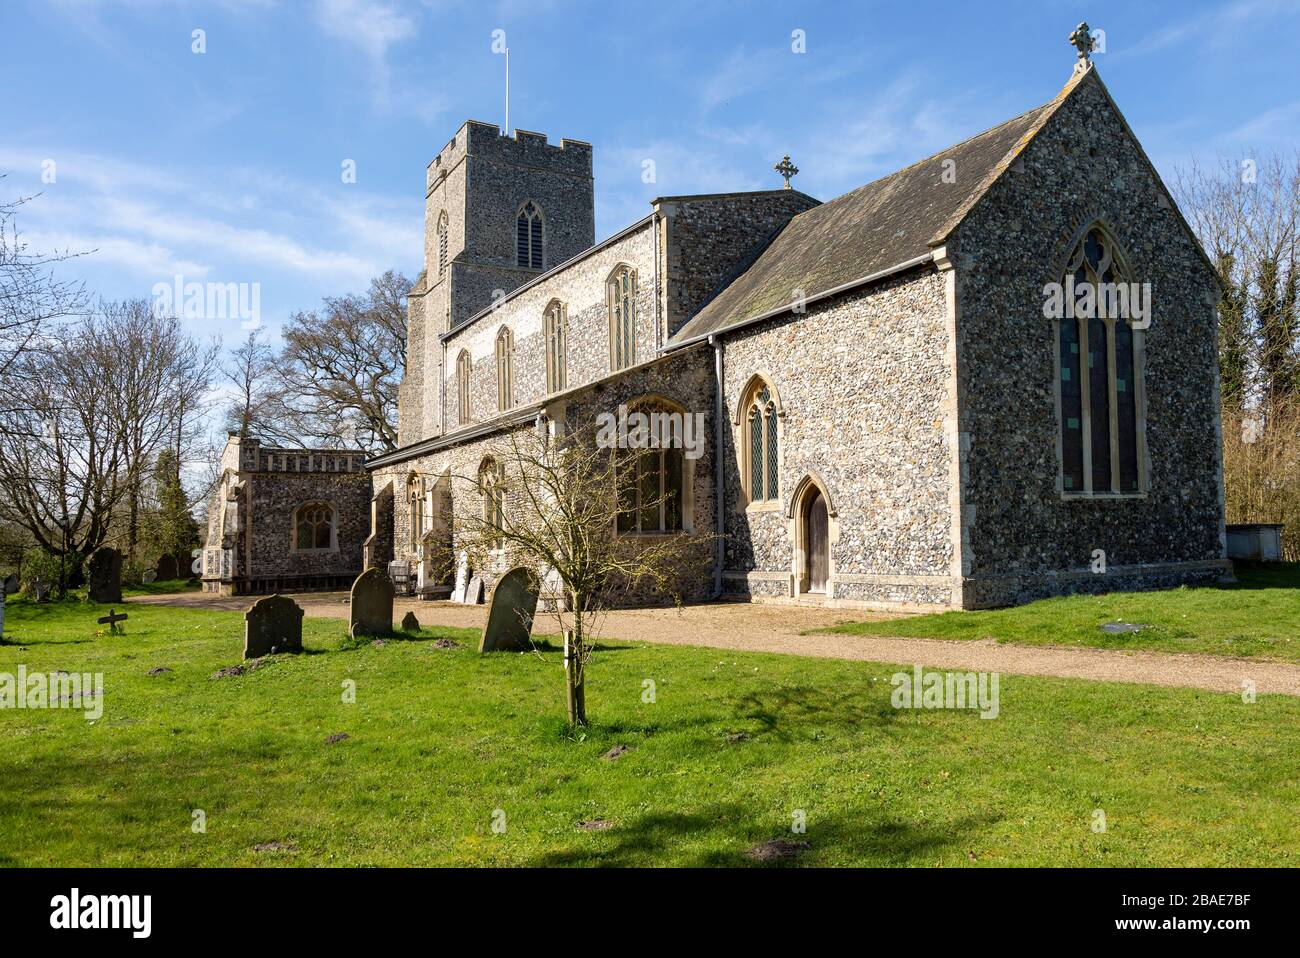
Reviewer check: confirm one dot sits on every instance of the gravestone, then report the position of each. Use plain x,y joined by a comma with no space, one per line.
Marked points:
474,591
272,624
40,590
371,609
111,620
510,614
106,575
410,623
462,577
167,569
12,584
149,576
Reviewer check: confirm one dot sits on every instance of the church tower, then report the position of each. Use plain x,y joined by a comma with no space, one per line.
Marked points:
499,211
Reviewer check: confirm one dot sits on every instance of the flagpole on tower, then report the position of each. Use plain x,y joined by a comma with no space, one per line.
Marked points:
507,129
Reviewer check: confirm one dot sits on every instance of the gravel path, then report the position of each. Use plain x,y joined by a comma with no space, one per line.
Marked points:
773,628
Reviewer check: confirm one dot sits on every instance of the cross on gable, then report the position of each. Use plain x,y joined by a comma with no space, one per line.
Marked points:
786,169
111,620
1083,40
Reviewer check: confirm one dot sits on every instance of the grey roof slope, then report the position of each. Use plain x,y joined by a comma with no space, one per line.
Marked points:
878,226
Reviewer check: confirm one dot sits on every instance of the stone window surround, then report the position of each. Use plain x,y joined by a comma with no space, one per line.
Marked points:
415,495
541,216
464,372
491,485
334,528
740,423
616,317
556,341
443,230
505,355
1099,221
662,403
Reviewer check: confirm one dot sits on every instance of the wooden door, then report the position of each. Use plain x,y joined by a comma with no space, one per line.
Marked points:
818,544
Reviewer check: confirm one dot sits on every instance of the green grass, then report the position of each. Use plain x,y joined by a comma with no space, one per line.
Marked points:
1256,617
164,587
440,738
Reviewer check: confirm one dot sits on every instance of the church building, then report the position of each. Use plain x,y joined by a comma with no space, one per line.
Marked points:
988,377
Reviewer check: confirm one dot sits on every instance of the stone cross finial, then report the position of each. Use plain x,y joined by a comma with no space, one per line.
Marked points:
786,169
1082,40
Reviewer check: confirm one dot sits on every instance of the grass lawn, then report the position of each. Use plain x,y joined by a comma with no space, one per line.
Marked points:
1258,616
438,739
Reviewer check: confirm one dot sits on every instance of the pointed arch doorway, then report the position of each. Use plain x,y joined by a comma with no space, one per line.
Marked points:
816,537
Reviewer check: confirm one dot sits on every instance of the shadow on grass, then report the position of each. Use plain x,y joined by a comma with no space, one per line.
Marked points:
796,711
655,839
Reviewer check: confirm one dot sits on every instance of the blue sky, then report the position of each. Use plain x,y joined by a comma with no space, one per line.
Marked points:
225,166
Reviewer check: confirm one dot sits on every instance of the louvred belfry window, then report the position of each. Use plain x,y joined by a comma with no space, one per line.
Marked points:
528,236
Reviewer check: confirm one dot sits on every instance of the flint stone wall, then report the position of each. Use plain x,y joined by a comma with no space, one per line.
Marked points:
1025,539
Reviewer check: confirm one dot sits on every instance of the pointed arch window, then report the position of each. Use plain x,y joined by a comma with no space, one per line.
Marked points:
557,345
621,296
442,245
760,456
1099,372
505,369
652,483
528,236
492,488
464,366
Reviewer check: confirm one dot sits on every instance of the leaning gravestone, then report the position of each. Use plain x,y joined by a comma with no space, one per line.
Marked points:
167,569
106,575
12,584
510,614
371,609
272,624
474,591
40,590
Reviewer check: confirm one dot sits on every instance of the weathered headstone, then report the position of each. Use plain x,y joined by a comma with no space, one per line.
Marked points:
410,623
149,576
106,575
474,591
371,608
510,614
40,590
167,568
12,584
272,624
462,577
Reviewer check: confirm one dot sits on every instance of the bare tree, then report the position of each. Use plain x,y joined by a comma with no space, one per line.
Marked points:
62,449
1246,213
553,506
338,373
248,368
30,295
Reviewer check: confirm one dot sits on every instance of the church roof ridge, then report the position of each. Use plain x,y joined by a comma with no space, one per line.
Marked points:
874,231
